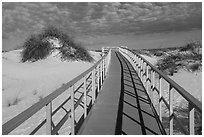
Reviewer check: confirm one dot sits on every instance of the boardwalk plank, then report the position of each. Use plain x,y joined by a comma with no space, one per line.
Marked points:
123,106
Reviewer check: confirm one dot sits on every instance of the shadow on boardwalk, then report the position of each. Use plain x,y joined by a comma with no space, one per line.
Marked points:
136,116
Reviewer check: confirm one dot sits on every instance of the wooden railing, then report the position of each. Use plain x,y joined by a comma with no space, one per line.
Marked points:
90,83
147,73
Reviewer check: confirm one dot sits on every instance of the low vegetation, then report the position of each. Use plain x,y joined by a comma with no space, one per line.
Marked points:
40,46
172,59
34,49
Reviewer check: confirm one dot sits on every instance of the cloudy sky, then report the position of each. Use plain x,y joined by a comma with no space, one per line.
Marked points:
95,23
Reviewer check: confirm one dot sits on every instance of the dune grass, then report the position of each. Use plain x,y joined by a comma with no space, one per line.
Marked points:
34,49
188,57
39,46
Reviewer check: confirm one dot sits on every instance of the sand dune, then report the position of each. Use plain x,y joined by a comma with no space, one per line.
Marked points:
23,84
191,82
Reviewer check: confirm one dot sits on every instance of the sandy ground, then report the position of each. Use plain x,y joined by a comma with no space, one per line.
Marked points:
153,60
191,82
24,84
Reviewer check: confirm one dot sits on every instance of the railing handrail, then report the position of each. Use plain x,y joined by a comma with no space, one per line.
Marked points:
23,116
193,101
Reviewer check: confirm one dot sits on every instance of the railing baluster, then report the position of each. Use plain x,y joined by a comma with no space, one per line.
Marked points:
96,80
153,86
171,118
150,90
98,77
104,68
72,112
137,65
49,118
191,119
145,74
140,68
101,72
142,72
103,62
147,79
160,98
85,98
135,62
93,86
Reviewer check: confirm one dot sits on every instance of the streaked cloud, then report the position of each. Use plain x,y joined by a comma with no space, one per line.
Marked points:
100,18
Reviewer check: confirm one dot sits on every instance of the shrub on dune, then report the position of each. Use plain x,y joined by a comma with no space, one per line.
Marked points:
83,54
52,32
34,49
194,66
158,53
194,47
40,46
189,57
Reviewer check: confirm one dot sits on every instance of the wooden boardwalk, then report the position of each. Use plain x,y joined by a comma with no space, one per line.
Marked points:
123,106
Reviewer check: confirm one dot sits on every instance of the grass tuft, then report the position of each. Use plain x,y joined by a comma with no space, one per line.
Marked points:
38,47
188,57
35,49
13,102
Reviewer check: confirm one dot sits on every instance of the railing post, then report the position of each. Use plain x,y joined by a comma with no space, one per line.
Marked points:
144,74
49,118
141,69
85,95
160,98
150,91
104,68
103,62
93,86
72,112
153,86
101,72
171,118
147,79
139,72
191,119
103,51
98,77
137,63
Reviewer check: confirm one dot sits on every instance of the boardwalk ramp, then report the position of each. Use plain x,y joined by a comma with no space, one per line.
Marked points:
123,105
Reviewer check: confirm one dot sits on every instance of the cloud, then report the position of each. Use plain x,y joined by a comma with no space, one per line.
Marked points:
101,18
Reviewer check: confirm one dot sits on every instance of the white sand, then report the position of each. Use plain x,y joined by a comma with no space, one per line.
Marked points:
153,59
191,82
23,84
